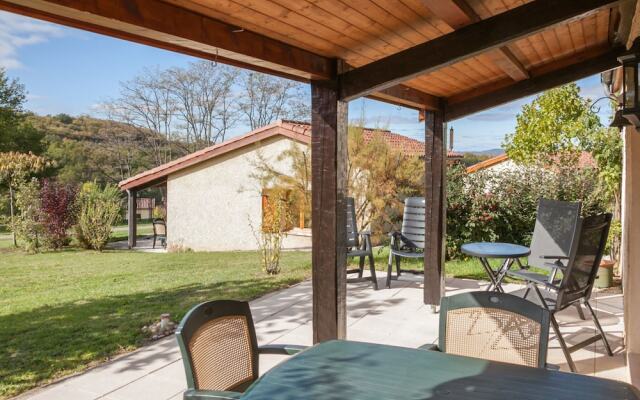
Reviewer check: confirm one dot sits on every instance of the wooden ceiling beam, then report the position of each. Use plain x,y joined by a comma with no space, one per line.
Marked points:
458,14
167,26
405,96
469,41
549,76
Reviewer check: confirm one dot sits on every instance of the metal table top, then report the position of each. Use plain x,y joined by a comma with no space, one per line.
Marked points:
495,250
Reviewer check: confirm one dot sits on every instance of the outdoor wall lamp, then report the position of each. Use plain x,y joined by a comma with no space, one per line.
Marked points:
630,104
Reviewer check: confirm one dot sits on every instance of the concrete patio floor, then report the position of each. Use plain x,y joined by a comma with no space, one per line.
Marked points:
394,316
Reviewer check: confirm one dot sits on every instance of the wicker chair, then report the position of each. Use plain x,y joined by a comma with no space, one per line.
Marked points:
494,326
159,232
359,245
219,349
409,242
577,282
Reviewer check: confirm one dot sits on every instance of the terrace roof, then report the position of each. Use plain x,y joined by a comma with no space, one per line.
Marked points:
465,54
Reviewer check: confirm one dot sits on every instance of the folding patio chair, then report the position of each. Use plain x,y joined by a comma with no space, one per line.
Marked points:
494,326
219,349
159,232
555,230
577,281
359,244
409,242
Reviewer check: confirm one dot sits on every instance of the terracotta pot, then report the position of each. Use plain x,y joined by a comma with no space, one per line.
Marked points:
605,274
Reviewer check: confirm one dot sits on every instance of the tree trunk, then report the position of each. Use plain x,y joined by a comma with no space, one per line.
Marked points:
15,242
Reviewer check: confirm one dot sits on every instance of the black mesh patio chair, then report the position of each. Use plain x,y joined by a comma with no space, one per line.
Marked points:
494,326
359,245
159,232
553,235
409,242
577,282
219,349
555,230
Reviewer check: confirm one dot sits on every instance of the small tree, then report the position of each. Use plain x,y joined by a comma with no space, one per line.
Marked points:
15,169
273,230
98,210
26,225
57,205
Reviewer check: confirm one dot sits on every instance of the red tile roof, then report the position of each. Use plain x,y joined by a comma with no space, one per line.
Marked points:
584,160
294,130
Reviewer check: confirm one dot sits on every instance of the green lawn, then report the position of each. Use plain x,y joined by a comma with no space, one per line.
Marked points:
61,312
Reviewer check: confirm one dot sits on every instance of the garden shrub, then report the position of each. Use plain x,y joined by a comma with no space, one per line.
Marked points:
57,206
501,207
98,211
27,225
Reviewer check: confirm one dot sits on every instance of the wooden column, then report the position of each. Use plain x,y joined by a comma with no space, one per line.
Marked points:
435,215
132,216
328,222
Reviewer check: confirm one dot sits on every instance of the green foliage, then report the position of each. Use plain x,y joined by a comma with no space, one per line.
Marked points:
502,207
16,134
98,211
554,126
27,224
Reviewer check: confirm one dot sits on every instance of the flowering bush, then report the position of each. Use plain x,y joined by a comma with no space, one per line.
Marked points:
57,206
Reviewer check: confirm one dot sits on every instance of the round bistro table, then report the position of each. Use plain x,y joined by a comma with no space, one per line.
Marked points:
509,252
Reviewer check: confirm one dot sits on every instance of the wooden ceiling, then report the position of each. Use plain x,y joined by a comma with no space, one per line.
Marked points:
301,39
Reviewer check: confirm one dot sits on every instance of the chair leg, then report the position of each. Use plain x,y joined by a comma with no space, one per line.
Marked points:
398,266
154,241
361,266
563,345
597,322
580,312
389,269
372,267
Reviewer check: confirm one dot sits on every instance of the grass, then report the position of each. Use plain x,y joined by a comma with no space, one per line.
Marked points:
61,312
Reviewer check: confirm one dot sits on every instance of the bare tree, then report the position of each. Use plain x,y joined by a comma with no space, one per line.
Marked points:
265,98
204,101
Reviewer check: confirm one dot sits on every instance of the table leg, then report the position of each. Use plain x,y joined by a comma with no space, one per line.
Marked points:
502,273
490,272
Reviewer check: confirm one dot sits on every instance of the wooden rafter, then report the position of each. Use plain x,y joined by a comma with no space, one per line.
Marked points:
588,63
173,28
458,14
464,43
408,97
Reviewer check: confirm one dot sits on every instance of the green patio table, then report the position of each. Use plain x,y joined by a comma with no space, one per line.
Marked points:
348,370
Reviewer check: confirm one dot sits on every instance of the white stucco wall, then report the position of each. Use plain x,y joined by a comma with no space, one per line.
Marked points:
630,251
210,205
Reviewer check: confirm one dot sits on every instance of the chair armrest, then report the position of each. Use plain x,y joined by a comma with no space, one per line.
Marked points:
543,283
555,266
365,233
429,347
282,349
554,257
192,394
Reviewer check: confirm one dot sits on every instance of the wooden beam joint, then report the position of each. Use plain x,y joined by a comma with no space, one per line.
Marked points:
469,41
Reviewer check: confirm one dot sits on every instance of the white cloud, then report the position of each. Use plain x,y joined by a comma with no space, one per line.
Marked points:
17,31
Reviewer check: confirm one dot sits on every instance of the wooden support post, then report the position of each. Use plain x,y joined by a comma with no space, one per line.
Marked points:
328,221
132,217
435,215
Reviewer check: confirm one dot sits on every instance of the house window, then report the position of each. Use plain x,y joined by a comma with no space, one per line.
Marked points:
292,211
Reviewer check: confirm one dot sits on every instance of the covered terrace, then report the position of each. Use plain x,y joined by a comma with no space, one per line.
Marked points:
446,58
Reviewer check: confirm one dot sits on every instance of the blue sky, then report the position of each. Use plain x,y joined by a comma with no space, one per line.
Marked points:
70,71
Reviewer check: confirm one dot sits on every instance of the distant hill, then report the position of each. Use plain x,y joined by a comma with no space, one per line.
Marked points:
490,152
